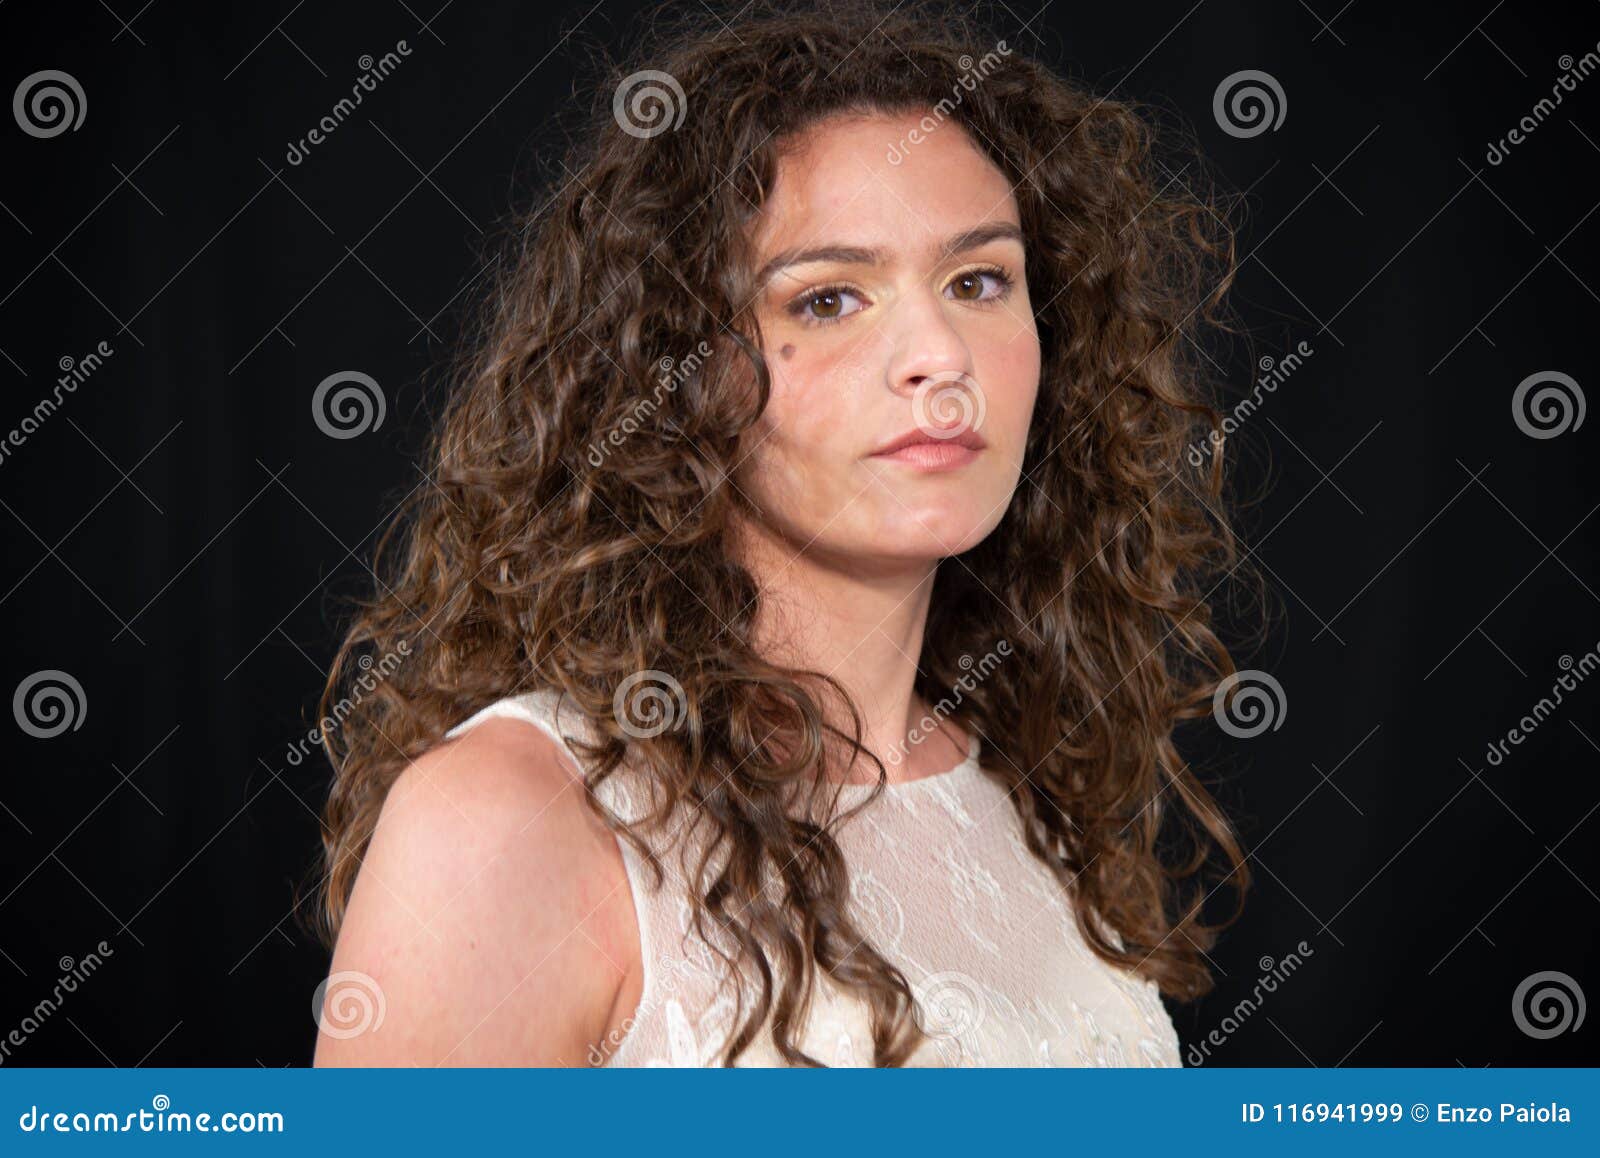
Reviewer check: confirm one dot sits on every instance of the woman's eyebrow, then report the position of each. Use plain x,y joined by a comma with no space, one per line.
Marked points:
870,255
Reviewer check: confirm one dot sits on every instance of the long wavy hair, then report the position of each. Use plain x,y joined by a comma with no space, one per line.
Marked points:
548,551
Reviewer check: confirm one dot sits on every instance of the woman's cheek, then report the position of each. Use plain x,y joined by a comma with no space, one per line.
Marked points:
800,405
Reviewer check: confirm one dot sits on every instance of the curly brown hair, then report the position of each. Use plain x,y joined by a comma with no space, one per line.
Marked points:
532,561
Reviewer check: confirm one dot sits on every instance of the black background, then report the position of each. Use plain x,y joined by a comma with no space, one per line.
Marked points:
180,532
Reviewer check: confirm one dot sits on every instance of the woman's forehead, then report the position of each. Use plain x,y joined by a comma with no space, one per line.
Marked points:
883,181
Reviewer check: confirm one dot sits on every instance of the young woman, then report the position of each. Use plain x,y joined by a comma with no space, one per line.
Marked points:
808,582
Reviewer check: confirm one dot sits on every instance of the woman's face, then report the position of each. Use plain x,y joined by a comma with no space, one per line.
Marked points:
893,305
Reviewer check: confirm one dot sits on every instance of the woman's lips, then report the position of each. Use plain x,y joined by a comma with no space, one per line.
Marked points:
932,455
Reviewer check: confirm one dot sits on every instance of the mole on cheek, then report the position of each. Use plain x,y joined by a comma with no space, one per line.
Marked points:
787,352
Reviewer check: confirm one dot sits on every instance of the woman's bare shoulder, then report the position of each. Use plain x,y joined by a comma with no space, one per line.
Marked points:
491,913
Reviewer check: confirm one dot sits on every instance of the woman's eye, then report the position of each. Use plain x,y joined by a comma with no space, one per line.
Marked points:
979,285
834,303
827,305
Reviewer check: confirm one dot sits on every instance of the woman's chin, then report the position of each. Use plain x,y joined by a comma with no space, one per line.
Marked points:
930,536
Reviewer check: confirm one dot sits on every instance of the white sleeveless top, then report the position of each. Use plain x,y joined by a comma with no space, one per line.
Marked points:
944,888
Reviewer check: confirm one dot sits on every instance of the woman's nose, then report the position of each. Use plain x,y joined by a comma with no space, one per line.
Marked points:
924,344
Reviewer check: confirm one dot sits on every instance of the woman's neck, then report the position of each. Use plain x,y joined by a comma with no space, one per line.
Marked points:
864,627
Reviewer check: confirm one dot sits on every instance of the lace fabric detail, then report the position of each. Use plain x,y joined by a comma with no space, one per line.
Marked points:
943,886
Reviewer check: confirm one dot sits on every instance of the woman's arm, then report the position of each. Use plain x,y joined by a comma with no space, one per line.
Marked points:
492,910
